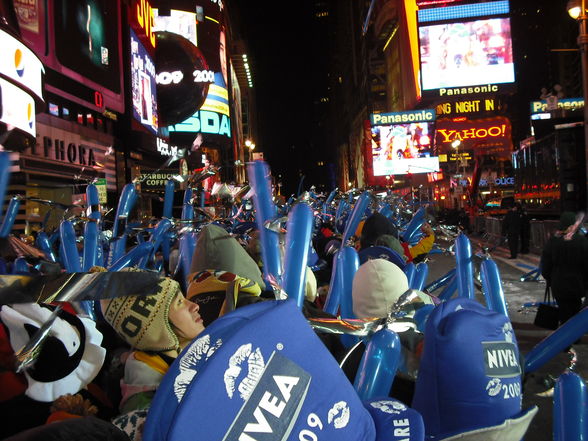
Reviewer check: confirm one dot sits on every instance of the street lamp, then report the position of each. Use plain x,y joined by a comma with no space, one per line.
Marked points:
577,10
250,147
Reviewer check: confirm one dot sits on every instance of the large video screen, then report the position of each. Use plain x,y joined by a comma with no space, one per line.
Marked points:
466,53
143,86
205,30
403,148
86,39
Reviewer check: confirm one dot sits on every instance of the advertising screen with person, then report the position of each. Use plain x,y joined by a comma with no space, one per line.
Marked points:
202,72
466,53
143,86
403,148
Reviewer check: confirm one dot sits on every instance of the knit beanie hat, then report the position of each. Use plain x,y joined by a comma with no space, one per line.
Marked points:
143,321
215,248
566,219
375,226
377,285
209,288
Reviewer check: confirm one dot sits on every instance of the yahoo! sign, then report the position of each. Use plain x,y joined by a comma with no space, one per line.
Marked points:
491,136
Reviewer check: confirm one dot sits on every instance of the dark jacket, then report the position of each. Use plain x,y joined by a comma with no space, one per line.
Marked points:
511,226
564,264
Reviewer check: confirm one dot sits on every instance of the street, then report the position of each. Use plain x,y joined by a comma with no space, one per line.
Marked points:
536,387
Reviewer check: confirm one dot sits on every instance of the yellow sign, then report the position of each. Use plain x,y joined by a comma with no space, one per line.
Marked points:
467,106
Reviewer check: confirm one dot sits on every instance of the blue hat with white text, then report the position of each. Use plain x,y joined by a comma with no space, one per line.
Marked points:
469,382
259,372
395,421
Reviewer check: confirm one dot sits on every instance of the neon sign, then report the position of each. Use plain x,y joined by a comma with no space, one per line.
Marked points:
467,106
473,133
146,19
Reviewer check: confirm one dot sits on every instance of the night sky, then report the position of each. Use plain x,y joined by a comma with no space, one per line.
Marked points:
280,48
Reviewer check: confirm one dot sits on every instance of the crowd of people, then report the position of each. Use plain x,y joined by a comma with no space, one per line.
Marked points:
98,379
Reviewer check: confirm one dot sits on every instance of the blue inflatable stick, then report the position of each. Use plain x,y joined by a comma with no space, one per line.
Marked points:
464,267
168,199
44,244
570,404
10,216
71,256
20,266
126,202
187,207
420,276
414,225
441,281
347,265
557,341
93,202
298,236
378,365
186,251
492,287
91,244
359,209
410,272
133,257
333,299
449,289
265,210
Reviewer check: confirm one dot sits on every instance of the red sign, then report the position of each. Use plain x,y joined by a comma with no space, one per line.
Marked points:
488,136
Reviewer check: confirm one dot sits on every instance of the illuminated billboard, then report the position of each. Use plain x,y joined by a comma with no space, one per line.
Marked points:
485,136
143,86
86,39
17,108
207,73
403,148
466,54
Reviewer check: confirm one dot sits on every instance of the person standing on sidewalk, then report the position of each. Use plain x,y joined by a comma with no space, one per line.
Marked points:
511,228
564,265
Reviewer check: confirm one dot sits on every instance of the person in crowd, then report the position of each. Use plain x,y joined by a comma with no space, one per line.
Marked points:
564,265
376,288
380,231
511,228
157,328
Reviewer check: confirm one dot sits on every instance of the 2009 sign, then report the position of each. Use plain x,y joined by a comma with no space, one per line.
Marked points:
203,76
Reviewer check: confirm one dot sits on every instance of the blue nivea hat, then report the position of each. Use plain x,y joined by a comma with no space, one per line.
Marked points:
395,421
257,373
470,376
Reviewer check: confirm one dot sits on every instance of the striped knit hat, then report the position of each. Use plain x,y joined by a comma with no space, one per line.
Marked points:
143,321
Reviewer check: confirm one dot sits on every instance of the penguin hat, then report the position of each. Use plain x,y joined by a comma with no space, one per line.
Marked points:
70,357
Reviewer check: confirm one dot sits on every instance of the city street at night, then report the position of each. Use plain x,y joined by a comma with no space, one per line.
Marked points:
345,220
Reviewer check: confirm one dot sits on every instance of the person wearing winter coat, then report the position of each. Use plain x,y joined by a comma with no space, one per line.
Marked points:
564,265
157,328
